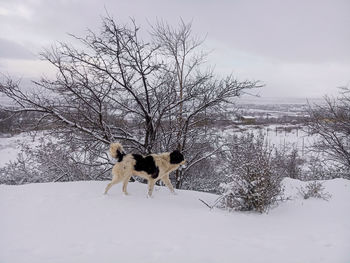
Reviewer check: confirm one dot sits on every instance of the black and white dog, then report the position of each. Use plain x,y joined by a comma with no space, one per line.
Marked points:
152,167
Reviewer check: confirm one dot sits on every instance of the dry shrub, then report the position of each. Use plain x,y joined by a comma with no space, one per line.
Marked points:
314,189
253,184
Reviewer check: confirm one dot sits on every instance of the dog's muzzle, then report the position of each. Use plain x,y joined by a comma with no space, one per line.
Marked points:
182,166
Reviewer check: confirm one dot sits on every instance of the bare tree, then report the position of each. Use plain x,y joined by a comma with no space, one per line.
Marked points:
200,94
331,122
153,96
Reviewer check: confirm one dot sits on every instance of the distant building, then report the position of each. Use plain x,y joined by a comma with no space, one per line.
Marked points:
248,119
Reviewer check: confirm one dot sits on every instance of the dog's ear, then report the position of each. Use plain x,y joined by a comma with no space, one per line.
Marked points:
176,157
120,155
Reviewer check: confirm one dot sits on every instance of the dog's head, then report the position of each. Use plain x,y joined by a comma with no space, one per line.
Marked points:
176,157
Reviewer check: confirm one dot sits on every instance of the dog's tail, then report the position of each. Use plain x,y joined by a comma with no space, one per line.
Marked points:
117,151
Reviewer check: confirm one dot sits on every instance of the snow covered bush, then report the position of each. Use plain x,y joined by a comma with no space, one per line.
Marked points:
253,184
205,177
287,162
314,189
318,169
53,160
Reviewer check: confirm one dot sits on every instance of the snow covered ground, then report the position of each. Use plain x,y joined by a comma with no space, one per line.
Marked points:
75,222
9,147
276,135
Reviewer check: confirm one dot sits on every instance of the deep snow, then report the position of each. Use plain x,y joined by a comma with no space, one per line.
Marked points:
75,222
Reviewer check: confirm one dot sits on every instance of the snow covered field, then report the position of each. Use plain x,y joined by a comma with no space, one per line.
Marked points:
277,135
10,147
75,222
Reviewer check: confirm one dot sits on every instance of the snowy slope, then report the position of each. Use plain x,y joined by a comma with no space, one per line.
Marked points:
74,222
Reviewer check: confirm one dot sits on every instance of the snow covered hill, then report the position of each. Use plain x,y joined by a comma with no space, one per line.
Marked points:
75,222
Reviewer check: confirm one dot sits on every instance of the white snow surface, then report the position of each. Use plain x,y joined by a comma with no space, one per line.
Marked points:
10,146
75,222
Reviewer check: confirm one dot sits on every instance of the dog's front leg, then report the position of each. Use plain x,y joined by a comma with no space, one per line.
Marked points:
151,183
125,184
167,182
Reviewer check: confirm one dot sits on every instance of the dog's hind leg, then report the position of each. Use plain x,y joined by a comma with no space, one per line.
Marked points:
108,187
125,184
115,180
167,182
151,183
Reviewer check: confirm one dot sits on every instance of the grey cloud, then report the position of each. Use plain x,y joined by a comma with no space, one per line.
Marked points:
12,50
272,34
305,31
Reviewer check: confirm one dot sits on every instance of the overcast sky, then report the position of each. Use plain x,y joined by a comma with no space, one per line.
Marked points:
298,48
